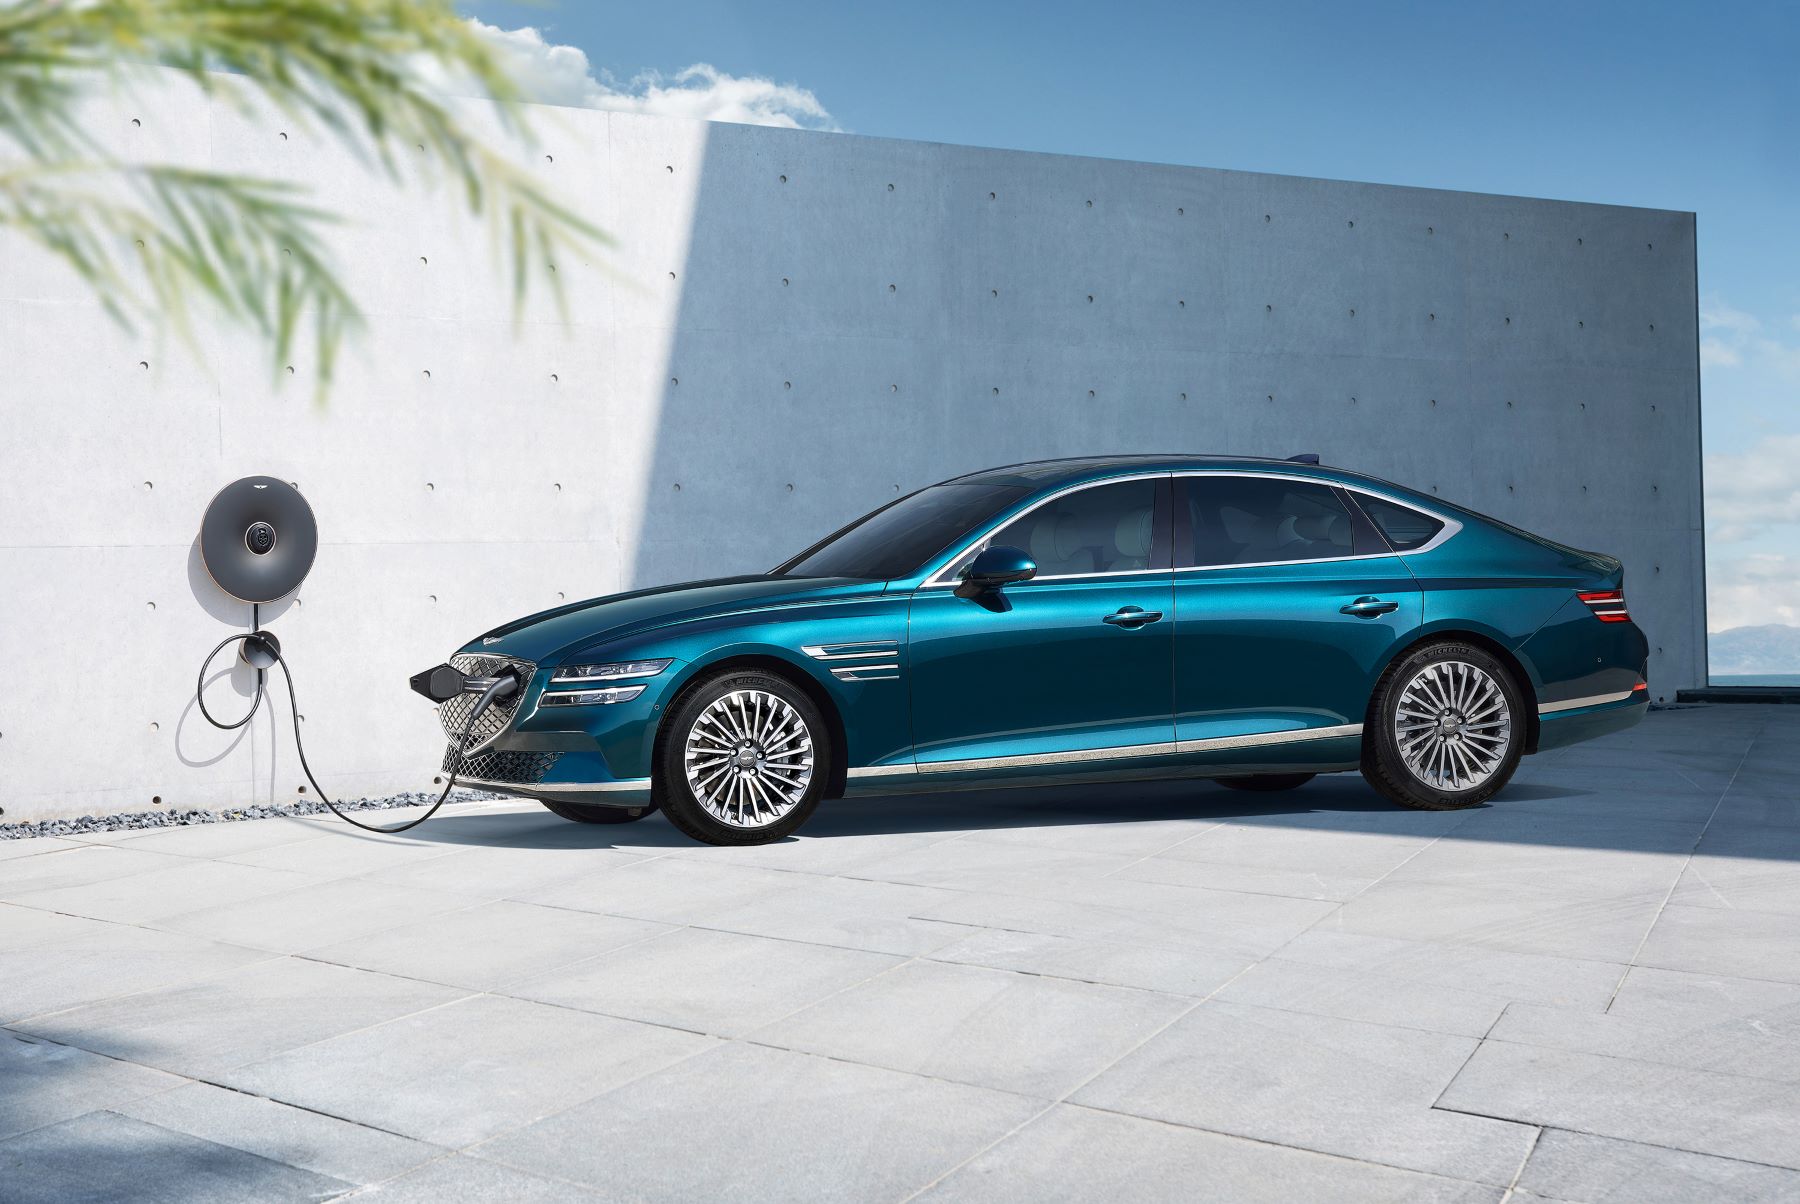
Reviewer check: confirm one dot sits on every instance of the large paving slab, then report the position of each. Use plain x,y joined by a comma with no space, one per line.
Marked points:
748,1123
1587,990
105,1156
1078,1154
993,1028
1681,1108
202,1029
1350,1088
463,1072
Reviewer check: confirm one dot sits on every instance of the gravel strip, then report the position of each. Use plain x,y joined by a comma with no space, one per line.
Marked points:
84,824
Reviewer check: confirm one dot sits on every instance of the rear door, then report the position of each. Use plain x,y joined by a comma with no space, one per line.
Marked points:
1287,605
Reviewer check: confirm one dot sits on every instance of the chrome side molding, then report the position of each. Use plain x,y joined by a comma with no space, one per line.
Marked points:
853,650
1592,700
875,660
1117,753
875,672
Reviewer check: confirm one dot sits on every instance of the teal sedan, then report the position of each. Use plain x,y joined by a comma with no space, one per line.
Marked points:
1252,621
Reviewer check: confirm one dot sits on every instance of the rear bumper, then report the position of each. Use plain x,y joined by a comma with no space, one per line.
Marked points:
1564,723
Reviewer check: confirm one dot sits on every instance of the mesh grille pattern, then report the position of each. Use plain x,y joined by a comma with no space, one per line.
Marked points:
518,768
499,715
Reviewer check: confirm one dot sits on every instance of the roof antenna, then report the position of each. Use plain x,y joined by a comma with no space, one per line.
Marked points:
1304,458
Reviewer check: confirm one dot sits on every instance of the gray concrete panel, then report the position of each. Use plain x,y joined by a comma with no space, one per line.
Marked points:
793,328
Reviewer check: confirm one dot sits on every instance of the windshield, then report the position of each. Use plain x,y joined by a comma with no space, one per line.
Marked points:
901,537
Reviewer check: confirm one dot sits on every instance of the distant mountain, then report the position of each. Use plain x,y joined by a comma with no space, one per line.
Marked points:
1770,648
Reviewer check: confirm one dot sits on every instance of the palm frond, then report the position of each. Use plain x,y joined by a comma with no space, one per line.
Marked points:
360,70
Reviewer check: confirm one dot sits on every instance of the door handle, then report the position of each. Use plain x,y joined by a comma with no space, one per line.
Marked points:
1132,617
1368,607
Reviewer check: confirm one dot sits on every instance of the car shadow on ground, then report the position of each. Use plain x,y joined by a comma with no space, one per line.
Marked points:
1332,802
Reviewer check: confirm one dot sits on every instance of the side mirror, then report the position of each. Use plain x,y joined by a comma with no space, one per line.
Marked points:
994,567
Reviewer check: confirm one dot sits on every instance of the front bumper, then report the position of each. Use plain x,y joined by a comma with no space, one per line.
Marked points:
575,776
595,755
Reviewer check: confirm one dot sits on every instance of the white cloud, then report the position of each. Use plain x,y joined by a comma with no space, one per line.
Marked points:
551,73
1717,353
1754,489
1747,591
1736,339
1716,315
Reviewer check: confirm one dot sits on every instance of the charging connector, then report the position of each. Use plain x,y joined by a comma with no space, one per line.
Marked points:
262,651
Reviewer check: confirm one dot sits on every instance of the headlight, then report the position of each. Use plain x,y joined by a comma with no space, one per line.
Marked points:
582,698
614,672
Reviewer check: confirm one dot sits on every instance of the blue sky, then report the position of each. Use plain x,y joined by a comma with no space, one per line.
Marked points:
1693,107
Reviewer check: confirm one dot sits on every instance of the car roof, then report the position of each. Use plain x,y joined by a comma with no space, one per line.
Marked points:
1040,474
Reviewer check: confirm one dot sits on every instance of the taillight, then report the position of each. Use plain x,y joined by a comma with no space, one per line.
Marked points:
1608,605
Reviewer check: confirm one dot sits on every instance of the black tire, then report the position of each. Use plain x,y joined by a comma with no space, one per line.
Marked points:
676,795
1386,767
584,814
1267,781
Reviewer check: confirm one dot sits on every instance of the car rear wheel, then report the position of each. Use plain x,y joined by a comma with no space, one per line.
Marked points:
1267,781
1446,729
584,814
744,759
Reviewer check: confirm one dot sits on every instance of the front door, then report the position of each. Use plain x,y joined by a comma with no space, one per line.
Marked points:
1287,605
1072,668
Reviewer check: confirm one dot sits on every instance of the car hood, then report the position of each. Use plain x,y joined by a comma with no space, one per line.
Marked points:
547,635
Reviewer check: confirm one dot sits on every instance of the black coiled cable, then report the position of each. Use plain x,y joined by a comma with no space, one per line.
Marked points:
300,748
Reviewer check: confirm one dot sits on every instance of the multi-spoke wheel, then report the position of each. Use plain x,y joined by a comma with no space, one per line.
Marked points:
1446,728
743,759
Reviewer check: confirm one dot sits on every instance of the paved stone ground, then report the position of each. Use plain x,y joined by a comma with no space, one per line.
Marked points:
1589,990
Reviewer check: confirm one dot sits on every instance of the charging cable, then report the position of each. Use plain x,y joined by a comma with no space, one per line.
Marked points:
265,647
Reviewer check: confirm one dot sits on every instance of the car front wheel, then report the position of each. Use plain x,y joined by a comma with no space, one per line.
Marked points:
744,759
1446,729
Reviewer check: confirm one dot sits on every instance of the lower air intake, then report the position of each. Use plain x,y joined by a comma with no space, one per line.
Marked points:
510,768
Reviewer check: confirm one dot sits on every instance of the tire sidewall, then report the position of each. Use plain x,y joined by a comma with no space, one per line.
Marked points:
677,798
1384,748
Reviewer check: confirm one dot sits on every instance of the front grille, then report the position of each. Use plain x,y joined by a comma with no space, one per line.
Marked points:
499,715
515,768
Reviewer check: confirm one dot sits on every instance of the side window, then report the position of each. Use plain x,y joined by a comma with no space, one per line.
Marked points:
1106,529
1404,528
1260,520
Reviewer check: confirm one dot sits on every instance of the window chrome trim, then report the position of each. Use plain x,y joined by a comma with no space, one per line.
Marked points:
1592,700
1450,528
937,580
1118,753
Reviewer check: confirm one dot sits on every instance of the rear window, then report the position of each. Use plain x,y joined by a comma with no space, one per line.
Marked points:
1405,529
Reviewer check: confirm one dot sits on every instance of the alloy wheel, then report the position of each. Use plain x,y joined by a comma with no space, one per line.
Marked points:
749,758
1453,725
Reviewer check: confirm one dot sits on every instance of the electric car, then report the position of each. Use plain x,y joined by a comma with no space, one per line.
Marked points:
1252,621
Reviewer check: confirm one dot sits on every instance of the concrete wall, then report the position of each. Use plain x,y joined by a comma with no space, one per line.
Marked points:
795,327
